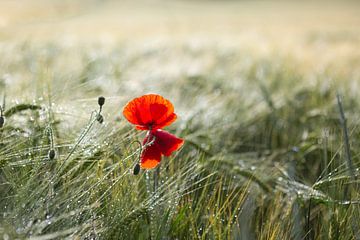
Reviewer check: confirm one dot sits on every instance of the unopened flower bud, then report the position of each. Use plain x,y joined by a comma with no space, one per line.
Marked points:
51,154
137,169
101,101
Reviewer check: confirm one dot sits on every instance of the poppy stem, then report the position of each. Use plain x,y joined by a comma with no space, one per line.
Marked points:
149,141
154,212
151,194
156,178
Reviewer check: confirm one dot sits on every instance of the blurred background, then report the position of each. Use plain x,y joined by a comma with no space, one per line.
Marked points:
317,34
293,23
254,84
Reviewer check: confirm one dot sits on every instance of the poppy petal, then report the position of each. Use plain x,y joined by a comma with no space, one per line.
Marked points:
157,111
141,127
133,112
151,154
150,157
166,142
166,122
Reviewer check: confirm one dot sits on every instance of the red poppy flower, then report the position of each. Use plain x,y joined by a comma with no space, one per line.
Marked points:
152,112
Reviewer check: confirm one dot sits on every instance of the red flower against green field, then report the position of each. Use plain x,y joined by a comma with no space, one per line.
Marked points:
152,112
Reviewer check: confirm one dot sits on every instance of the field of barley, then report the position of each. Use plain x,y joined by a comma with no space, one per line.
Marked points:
267,98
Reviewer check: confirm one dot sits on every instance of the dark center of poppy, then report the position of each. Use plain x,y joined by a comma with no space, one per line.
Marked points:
150,125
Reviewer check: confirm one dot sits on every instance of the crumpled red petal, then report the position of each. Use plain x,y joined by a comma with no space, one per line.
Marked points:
150,156
156,144
166,142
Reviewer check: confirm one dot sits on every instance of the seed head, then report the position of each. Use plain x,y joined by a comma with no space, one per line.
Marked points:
2,121
100,118
137,169
101,101
51,154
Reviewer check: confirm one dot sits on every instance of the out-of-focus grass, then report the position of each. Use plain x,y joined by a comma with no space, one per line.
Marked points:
264,155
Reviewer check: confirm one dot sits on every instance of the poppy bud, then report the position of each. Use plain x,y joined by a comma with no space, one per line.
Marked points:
101,101
137,169
2,121
100,118
51,154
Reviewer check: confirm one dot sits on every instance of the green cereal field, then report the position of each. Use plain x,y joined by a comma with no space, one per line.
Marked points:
266,94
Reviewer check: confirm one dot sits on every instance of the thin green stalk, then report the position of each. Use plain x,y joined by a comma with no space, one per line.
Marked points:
350,164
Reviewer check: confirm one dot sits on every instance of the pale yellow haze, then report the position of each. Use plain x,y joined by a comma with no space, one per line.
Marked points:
143,19
289,25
